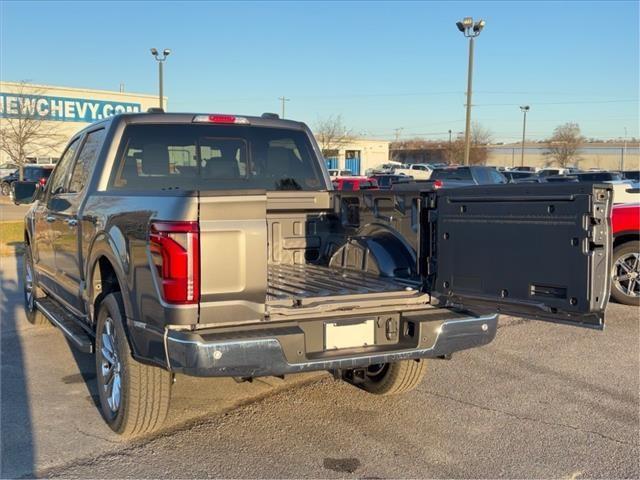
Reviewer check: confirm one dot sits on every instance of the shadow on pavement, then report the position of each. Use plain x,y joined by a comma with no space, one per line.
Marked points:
16,433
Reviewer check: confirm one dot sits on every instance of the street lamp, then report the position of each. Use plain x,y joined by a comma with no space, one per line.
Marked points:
160,59
524,109
470,30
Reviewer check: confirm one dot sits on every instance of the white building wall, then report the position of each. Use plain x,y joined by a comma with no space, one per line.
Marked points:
372,153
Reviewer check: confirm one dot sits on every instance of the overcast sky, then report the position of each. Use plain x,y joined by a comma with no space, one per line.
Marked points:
380,65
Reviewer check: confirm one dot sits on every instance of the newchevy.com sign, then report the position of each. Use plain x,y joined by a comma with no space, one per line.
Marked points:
61,109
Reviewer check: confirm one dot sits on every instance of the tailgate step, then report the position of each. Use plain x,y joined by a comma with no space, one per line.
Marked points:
67,322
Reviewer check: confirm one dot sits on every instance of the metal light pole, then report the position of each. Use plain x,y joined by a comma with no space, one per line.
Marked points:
624,150
471,31
160,59
283,99
524,109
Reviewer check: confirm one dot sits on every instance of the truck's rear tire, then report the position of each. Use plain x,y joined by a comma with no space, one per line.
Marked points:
32,291
393,378
625,273
134,398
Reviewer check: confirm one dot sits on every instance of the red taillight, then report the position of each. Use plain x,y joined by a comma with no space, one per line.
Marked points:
175,249
437,184
220,118
43,181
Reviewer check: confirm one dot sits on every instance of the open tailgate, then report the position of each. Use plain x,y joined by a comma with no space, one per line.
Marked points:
539,251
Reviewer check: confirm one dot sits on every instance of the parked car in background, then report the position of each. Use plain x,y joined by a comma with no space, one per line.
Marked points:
466,176
621,186
625,274
355,183
387,181
7,169
561,179
419,171
32,173
551,172
524,169
335,173
631,175
384,168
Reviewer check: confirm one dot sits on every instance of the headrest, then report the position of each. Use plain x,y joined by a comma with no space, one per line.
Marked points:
278,159
155,159
222,168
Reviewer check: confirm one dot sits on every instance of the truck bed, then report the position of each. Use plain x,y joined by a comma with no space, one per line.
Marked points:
306,281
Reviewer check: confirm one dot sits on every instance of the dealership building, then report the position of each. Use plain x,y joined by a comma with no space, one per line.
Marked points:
65,110
358,155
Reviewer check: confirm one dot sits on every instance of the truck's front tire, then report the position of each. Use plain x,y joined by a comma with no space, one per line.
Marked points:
393,378
134,398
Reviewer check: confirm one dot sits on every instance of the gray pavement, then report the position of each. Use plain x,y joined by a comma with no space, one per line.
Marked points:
543,400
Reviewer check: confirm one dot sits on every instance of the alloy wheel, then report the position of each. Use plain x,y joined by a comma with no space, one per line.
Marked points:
111,366
626,274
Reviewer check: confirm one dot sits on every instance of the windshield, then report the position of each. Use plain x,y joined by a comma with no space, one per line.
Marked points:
215,157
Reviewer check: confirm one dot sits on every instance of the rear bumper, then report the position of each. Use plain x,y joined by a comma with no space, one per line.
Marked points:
261,353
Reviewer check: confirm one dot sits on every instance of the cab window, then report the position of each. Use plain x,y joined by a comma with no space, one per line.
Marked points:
60,175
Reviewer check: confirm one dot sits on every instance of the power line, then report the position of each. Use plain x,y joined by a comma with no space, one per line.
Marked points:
577,102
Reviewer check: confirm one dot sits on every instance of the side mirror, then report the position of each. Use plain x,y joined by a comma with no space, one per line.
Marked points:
25,192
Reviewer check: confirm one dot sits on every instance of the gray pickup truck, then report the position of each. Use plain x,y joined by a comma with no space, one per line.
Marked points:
215,245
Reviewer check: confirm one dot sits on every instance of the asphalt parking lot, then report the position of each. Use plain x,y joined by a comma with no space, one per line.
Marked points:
542,400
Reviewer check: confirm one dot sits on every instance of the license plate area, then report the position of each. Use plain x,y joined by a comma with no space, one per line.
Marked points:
338,335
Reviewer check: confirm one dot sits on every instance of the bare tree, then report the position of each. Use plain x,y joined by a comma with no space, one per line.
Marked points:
26,133
481,138
331,135
563,146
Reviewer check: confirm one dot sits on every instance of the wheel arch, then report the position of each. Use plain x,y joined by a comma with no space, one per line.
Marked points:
624,237
391,251
107,274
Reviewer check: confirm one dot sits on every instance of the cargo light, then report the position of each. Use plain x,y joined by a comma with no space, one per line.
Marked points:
43,181
221,118
175,250
438,184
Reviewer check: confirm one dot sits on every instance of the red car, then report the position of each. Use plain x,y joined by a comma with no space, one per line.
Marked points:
355,183
625,275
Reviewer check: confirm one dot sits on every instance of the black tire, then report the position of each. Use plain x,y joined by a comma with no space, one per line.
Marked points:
31,291
393,378
145,391
625,273
5,189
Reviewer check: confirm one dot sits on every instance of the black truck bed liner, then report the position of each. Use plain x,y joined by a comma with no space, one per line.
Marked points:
305,281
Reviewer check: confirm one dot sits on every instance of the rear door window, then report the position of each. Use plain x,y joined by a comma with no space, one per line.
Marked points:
213,157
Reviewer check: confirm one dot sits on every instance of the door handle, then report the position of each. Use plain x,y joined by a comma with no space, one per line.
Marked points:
72,222
50,218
